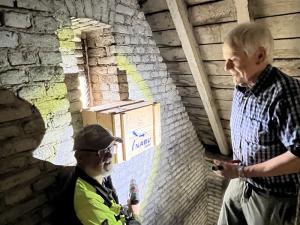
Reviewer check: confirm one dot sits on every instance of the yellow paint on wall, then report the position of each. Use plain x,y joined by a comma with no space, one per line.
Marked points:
136,77
138,80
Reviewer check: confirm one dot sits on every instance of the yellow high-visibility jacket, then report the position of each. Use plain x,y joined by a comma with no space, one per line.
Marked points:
91,208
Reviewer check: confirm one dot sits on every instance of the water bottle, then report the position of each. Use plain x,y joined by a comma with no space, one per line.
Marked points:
133,193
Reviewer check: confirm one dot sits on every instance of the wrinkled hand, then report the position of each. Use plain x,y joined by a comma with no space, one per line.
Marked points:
230,168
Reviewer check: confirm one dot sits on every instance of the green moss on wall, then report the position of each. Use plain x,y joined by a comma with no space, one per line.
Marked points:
65,34
51,106
67,47
65,37
48,101
57,90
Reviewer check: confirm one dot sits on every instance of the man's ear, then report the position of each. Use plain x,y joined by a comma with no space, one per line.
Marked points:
260,55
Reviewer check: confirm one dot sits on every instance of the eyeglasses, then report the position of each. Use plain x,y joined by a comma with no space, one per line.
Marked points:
106,152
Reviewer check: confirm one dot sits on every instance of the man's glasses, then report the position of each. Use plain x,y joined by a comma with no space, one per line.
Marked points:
106,152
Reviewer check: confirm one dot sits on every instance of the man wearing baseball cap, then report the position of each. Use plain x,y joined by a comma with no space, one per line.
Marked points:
90,191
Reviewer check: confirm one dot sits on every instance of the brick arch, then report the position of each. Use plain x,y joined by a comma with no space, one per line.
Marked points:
89,61
90,16
30,138
101,11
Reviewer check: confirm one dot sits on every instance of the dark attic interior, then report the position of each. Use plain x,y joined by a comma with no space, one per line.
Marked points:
154,67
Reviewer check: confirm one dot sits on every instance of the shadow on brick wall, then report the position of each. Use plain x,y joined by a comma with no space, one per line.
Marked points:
29,187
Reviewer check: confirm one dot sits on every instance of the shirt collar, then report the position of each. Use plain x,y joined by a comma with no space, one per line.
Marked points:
260,82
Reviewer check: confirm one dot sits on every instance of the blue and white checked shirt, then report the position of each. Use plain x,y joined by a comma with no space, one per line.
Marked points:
265,122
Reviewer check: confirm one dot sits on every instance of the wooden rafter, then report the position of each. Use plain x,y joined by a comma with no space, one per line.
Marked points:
242,11
184,29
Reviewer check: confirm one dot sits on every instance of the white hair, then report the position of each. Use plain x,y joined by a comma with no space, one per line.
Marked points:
251,36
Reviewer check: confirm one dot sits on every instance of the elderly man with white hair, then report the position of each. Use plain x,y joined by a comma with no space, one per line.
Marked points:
265,132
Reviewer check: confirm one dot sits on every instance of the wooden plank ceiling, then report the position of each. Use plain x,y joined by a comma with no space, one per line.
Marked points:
184,29
210,21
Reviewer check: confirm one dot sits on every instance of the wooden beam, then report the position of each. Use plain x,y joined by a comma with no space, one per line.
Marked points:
265,8
184,29
242,11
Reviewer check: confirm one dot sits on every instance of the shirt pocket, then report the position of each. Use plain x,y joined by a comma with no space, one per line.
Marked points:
251,130
259,133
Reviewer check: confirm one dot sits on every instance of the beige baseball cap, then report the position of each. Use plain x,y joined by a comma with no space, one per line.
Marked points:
94,138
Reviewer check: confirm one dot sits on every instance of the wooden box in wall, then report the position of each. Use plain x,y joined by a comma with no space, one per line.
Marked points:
136,122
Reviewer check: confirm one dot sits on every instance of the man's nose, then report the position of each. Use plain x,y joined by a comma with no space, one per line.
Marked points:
228,65
108,154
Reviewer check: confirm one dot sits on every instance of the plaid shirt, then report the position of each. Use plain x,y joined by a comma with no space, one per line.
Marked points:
265,122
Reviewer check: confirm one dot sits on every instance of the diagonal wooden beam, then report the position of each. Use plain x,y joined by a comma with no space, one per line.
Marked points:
242,11
184,29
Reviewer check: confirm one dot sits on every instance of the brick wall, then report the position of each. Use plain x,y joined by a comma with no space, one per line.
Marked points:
108,83
42,62
216,187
